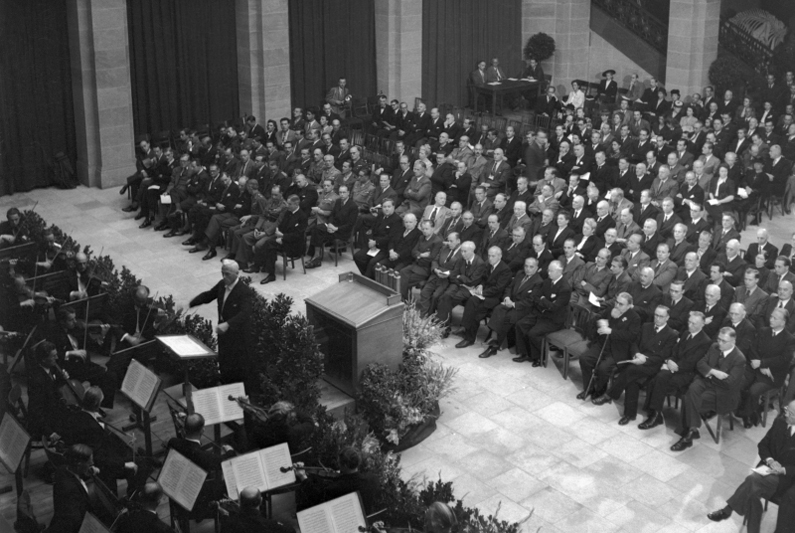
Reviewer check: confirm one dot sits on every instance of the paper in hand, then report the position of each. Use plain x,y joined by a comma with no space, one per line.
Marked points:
594,300
762,470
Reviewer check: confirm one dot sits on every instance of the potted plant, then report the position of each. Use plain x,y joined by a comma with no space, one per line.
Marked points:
402,406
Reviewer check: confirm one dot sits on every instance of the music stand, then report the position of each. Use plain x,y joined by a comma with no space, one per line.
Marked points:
141,386
14,442
186,348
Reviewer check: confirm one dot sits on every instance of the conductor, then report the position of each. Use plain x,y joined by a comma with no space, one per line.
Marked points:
234,310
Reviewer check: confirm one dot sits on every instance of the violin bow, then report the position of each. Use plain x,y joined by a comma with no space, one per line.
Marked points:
149,312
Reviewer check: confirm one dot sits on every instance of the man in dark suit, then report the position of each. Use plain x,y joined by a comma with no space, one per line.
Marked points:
715,388
250,518
692,277
46,409
558,237
468,272
70,497
234,310
550,307
618,328
339,226
485,296
493,236
145,519
645,294
608,89
516,302
387,226
768,365
425,250
763,246
656,344
290,237
644,209
679,306
441,267
777,453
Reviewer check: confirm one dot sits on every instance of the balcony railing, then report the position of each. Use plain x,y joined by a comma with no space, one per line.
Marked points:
745,47
638,20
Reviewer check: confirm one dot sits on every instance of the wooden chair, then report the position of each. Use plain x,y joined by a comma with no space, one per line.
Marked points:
718,425
571,339
292,259
340,246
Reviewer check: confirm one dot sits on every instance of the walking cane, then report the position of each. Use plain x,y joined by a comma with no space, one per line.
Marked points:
596,366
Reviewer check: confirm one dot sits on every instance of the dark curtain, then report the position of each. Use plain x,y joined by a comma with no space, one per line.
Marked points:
36,111
183,63
330,39
458,33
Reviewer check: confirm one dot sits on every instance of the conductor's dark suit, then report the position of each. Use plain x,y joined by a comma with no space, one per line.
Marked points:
232,345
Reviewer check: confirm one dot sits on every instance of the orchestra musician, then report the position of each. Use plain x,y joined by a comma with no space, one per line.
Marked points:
250,518
315,490
11,230
46,408
112,456
80,283
72,346
72,492
284,424
145,519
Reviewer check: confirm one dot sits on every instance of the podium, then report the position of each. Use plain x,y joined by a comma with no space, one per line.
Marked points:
357,322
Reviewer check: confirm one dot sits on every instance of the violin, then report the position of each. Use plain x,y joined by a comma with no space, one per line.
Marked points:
256,411
321,471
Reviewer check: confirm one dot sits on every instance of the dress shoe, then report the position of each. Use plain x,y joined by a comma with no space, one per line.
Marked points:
653,421
162,226
521,359
466,343
601,400
251,270
209,255
197,249
182,232
268,280
720,515
130,208
686,441
124,189
488,352
145,224
189,242
624,420
536,363
755,419
708,415
170,234
558,355
459,332
582,395
313,263
747,423
139,216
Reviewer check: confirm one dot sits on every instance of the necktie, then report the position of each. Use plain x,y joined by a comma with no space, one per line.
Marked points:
433,213
781,305
526,278
449,256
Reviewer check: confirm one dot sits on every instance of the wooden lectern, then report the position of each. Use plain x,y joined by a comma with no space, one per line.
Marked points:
357,322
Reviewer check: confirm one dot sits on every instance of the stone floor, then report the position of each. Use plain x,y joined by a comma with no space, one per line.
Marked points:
510,436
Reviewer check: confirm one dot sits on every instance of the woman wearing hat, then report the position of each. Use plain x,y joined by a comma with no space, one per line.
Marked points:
607,87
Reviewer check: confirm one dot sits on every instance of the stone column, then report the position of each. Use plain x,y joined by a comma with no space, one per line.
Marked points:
398,52
101,91
693,28
569,23
263,58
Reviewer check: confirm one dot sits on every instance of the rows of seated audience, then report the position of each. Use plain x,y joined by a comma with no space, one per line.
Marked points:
627,210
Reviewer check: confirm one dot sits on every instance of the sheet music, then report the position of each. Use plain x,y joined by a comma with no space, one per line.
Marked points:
181,479
315,520
205,402
347,514
231,410
140,384
183,346
91,524
273,459
243,471
13,442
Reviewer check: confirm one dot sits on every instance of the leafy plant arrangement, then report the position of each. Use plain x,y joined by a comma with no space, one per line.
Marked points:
539,47
395,402
727,72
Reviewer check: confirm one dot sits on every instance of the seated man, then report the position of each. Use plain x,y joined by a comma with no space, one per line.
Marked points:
46,408
441,266
617,329
516,303
484,297
290,237
424,252
248,241
468,272
550,306
338,225
70,498
222,199
113,457
73,357
226,219
145,519
677,371
769,364
715,388
775,452
250,518
593,278
11,230
316,490
656,345
387,227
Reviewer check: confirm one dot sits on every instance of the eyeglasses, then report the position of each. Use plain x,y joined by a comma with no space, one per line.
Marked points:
723,340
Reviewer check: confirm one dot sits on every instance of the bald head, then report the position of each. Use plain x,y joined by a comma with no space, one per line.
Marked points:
250,498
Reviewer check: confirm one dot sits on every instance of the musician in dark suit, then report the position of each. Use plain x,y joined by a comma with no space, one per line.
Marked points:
777,452
617,329
715,388
46,409
234,310
550,307
677,371
768,363
289,238
314,491
656,344
486,296
71,494
145,519
250,519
